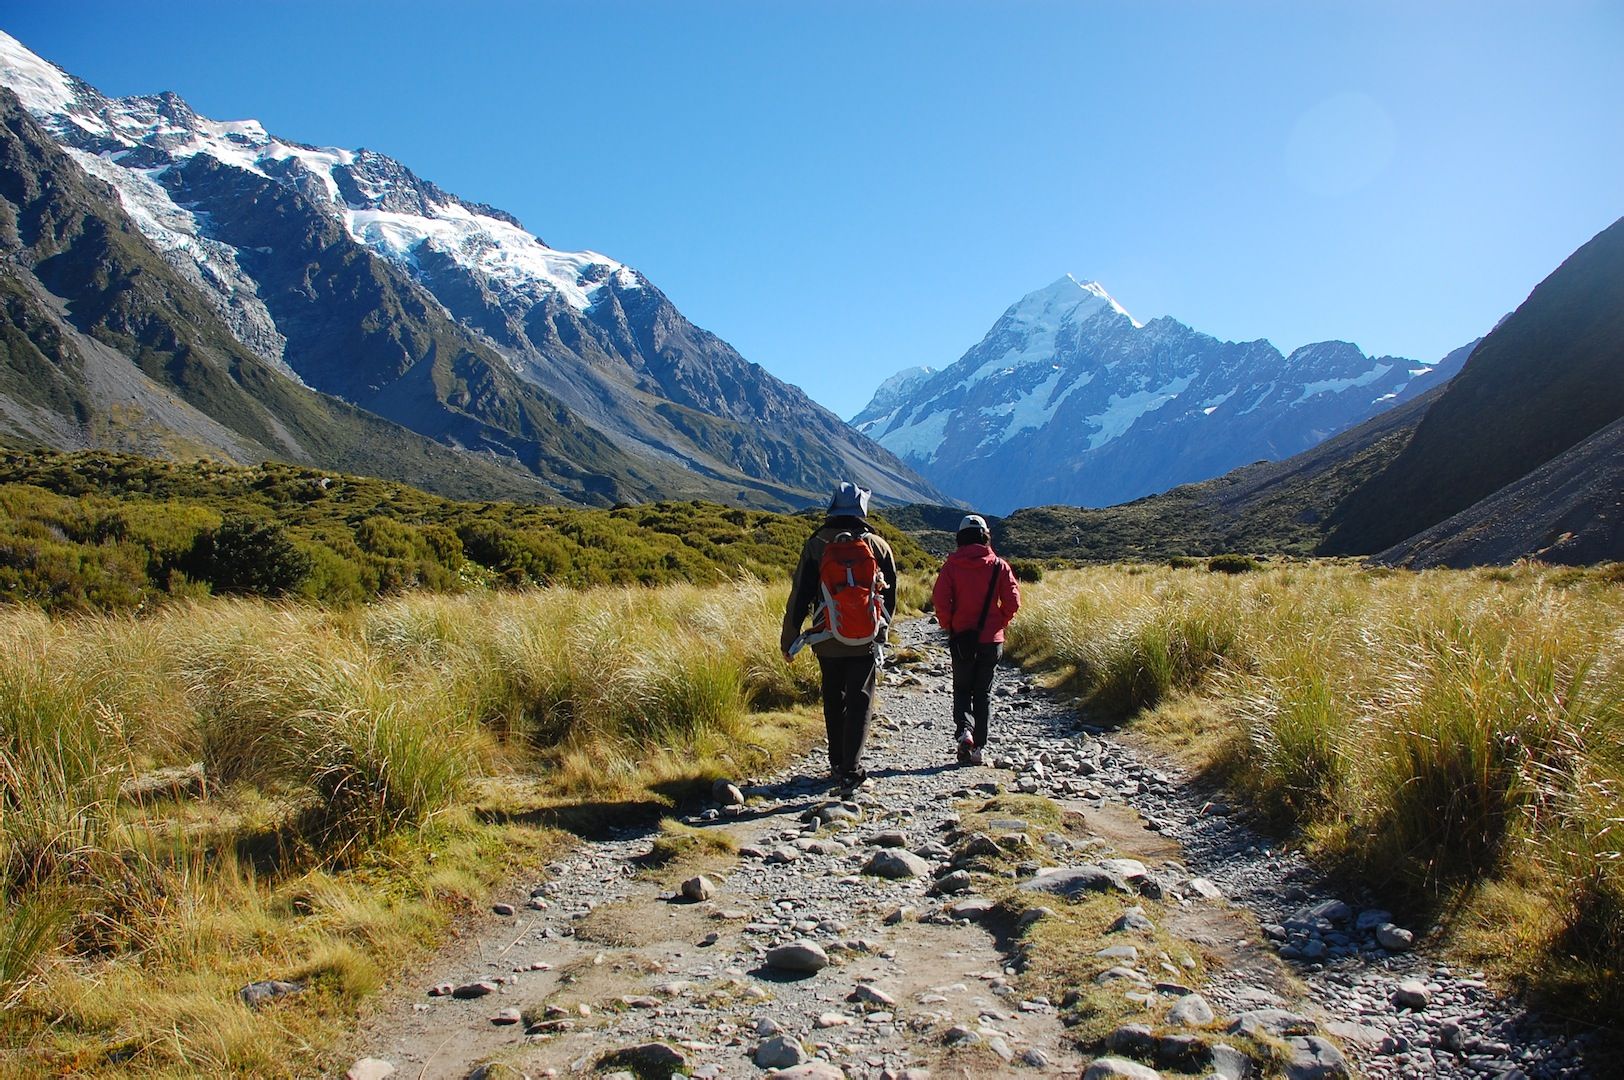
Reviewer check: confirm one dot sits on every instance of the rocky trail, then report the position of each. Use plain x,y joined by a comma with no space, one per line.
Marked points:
901,934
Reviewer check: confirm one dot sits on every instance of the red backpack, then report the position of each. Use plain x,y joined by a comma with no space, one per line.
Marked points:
853,606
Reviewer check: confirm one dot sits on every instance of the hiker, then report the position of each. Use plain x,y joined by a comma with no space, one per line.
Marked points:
847,581
975,598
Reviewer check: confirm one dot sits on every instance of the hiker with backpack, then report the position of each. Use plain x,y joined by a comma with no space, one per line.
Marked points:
847,581
975,598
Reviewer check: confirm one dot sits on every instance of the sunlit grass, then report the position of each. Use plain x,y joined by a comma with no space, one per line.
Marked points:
371,772
1454,737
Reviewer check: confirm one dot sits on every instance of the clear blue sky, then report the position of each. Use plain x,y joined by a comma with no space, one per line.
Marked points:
845,189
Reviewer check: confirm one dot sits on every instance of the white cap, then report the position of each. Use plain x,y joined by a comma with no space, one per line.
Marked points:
974,521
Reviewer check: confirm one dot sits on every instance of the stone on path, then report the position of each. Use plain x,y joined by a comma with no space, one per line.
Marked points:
1314,1058
474,990
869,994
727,793
1203,888
698,889
1191,1010
812,1070
1277,1023
507,1016
1133,919
801,955
955,882
370,1068
1113,1068
1412,994
833,1020
890,838
891,863
653,1058
974,909
1073,881
780,1052
504,910
1394,938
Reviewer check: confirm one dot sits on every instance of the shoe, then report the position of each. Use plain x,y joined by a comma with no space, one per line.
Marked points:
967,746
975,757
852,782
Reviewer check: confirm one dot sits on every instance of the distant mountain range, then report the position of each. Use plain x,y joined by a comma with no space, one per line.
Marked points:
249,270
1521,455
1068,399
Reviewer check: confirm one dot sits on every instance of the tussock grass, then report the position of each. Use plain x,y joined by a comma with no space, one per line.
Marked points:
347,752
1455,738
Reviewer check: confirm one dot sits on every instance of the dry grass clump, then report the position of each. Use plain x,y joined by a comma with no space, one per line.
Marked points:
1453,737
345,754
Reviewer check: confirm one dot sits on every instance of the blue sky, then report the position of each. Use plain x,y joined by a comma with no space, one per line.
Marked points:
845,189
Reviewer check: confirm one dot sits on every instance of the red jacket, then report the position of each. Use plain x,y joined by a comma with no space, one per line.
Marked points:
961,590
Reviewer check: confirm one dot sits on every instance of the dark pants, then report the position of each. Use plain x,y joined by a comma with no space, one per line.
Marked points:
848,707
973,673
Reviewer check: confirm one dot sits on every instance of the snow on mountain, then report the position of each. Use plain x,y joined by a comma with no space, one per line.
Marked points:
248,217
383,205
1069,399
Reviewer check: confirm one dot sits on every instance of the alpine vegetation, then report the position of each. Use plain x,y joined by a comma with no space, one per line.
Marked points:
234,791
1452,738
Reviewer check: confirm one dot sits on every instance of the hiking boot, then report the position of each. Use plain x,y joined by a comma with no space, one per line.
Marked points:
852,781
975,756
967,747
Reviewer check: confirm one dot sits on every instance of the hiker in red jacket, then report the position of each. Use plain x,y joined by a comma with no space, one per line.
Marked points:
975,597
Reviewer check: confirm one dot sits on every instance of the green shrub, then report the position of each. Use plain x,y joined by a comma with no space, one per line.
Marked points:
1028,570
247,556
1234,564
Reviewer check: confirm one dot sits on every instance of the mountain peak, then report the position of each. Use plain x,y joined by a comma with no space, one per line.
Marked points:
1066,299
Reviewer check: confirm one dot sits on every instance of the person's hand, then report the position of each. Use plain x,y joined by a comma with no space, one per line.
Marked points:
788,659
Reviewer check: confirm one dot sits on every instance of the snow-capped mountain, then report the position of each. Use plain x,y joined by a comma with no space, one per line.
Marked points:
348,272
1069,399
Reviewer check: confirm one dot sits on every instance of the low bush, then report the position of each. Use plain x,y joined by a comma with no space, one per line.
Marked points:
1234,564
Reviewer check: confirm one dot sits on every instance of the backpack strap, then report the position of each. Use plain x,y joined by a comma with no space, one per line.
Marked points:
986,605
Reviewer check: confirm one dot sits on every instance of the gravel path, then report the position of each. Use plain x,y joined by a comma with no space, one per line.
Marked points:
795,953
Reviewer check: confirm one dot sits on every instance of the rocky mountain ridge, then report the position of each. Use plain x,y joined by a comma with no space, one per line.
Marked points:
346,271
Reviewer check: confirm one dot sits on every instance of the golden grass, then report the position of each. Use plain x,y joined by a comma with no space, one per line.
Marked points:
1455,738
373,772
